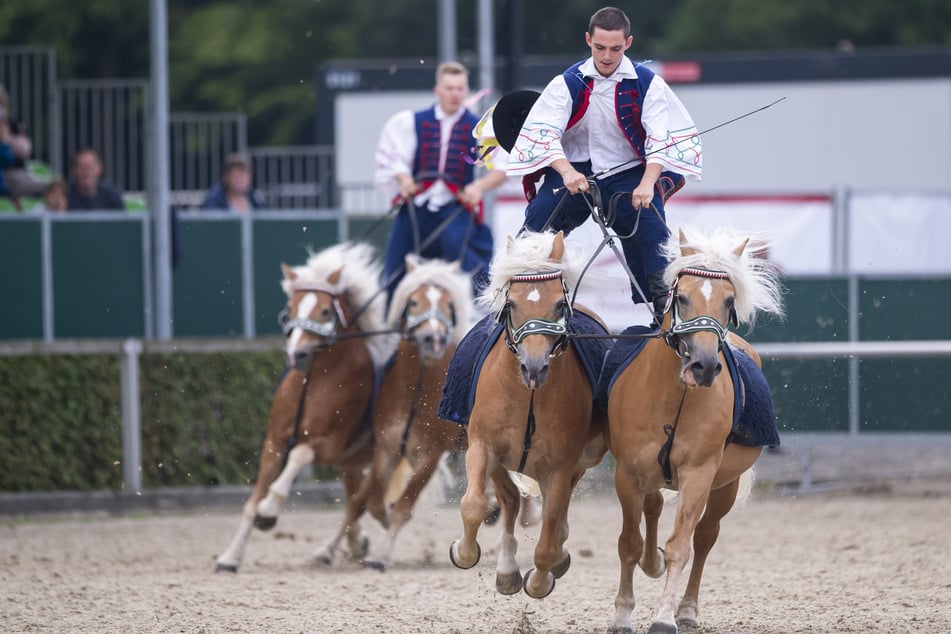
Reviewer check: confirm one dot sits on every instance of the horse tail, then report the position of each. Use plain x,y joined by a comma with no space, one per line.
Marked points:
526,486
398,481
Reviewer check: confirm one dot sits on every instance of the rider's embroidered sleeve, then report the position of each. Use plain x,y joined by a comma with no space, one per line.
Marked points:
395,150
667,123
539,141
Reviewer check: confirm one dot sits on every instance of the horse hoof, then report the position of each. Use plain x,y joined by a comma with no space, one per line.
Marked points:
658,627
560,568
620,630
374,565
538,596
226,568
688,623
264,523
452,556
508,583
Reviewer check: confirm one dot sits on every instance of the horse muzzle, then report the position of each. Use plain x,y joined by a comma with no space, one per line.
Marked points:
700,370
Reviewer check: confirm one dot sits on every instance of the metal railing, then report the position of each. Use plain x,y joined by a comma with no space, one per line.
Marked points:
294,177
29,75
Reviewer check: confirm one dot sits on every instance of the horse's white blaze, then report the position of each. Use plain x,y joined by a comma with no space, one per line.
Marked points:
433,293
706,289
306,304
534,295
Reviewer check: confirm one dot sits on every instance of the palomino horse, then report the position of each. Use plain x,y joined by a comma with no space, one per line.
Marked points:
671,417
319,412
432,310
533,410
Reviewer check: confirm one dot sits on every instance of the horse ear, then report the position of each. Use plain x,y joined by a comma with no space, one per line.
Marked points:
684,249
412,261
558,247
334,278
738,251
288,272
509,244
456,265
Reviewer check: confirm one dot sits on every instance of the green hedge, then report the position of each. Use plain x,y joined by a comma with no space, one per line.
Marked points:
203,420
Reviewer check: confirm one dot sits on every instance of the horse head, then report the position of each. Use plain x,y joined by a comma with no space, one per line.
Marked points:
315,315
337,290
710,292
535,313
431,306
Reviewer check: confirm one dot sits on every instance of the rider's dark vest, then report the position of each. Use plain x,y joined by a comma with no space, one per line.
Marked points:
628,104
457,172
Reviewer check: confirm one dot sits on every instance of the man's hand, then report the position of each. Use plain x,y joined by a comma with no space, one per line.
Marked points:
408,187
642,196
471,194
575,182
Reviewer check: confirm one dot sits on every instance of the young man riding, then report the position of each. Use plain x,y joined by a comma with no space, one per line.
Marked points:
614,119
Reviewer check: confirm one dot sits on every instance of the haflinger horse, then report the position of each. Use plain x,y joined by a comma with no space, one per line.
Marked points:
319,411
672,418
533,409
431,308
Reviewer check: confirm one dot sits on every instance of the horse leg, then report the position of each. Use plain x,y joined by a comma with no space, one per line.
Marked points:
694,491
268,470
465,552
704,537
508,578
270,507
551,558
356,507
402,510
652,559
630,547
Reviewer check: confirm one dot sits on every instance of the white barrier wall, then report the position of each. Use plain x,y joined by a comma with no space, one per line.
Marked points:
886,233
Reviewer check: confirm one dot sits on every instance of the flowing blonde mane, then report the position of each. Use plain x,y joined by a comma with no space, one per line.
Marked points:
528,253
754,278
358,283
439,273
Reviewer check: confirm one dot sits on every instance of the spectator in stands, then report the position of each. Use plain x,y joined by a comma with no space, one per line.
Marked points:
55,196
87,190
234,192
15,149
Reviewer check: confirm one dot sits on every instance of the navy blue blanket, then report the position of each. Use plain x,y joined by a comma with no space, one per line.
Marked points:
459,390
754,421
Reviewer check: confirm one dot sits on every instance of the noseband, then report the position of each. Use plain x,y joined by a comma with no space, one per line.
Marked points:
326,329
515,335
678,328
412,322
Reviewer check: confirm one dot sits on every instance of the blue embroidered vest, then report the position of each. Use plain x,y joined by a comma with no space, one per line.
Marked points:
628,103
457,172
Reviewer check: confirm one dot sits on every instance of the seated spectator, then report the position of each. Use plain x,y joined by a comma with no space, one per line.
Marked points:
55,197
234,192
15,149
87,190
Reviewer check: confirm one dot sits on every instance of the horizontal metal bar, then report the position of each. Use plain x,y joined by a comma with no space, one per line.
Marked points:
861,349
115,346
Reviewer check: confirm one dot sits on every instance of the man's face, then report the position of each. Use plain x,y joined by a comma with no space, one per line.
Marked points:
451,91
88,170
608,48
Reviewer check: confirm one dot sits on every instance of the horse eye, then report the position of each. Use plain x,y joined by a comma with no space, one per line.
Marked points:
413,303
681,299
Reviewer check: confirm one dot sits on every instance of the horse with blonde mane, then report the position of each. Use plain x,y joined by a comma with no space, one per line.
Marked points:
431,308
319,411
532,405
677,421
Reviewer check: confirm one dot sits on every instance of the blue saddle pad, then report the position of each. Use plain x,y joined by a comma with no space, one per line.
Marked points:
754,421
459,390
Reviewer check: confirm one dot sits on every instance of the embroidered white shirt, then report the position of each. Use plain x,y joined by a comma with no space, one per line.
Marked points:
598,137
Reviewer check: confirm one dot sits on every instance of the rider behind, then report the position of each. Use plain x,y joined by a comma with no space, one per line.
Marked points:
425,159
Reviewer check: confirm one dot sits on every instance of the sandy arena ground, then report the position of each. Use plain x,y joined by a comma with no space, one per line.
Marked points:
871,560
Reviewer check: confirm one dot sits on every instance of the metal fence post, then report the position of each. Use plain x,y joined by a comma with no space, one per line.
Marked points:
131,419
